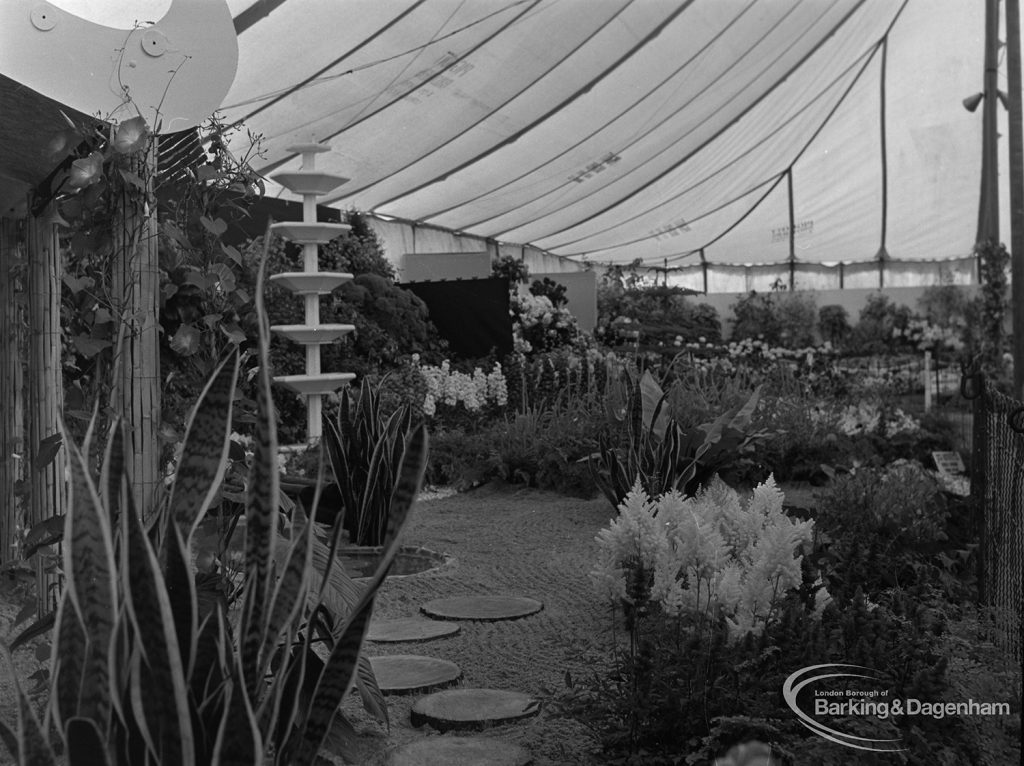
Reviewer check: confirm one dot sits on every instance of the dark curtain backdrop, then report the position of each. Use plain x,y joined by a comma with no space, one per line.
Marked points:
471,314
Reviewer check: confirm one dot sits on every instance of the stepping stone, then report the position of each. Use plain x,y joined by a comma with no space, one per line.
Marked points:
481,608
472,708
408,673
409,629
460,751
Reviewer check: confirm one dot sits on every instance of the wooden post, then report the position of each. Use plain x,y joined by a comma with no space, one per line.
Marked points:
45,395
135,284
927,381
12,343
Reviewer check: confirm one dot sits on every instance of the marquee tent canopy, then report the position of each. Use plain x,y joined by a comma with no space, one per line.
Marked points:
729,132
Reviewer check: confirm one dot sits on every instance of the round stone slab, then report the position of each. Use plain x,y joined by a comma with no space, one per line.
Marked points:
472,708
481,608
460,751
408,673
409,629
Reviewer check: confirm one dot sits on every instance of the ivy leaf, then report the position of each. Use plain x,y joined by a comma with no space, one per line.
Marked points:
48,449
214,226
234,332
132,179
77,284
89,347
225,278
131,136
172,230
232,253
186,340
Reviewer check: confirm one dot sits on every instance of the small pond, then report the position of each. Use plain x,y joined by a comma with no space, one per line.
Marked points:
362,561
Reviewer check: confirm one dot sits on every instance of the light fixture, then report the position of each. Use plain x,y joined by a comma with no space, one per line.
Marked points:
971,102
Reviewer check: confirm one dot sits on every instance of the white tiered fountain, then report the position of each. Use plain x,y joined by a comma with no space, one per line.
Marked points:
311,283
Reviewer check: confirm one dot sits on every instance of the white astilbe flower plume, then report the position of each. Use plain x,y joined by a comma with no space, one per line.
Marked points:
704,554
635,539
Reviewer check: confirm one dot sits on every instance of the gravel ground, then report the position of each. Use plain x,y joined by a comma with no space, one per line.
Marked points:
519,542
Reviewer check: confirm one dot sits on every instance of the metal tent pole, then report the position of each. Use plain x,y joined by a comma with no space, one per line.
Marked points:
988,208
1016,140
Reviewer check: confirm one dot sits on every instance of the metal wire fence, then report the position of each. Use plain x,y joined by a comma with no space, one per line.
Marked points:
997,486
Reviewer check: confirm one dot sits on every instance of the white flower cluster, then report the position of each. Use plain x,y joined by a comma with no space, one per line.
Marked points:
450,388
864,417
928,336
706,552
536,309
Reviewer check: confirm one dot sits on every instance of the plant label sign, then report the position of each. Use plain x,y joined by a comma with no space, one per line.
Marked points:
949,463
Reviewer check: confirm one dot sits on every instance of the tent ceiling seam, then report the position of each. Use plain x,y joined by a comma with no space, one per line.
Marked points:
525,129
849,14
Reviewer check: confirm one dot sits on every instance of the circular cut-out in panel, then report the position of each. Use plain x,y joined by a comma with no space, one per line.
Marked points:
472,708
409,673
460,751
408,629
481,608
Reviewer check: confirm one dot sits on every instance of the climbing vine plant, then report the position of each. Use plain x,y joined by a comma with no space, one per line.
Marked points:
993,264
203,309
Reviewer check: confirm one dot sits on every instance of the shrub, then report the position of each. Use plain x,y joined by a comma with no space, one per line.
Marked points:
390,323
883,528
834,324
658,452
755,316
662,315
797,314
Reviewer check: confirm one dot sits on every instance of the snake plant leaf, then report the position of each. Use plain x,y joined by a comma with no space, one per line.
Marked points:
10,739
112,471
370,693
90,571
180,590
86,747
339,670
67,660
160,669
290,594
292,695
238,741
28,745
204,456
260,504
334,682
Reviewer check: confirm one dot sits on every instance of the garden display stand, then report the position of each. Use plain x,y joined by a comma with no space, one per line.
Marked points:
311,283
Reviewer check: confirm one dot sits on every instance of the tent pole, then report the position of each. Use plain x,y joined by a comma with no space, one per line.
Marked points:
988,209
1013,76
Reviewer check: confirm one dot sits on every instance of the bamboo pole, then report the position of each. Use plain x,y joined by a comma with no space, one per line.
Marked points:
12,344
135,284
45,396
